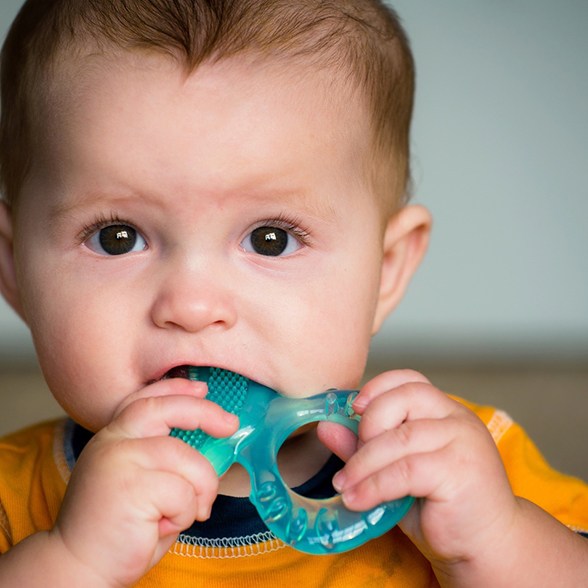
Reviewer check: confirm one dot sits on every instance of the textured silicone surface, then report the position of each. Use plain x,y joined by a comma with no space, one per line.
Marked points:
225,388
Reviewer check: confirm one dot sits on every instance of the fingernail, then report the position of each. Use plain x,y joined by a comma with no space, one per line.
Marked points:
205,514
199,388
339,480
348,497
231,418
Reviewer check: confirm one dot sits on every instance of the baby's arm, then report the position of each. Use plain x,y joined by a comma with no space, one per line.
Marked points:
415,440
132,491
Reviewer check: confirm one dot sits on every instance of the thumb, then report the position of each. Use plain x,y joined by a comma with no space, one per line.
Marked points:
338,439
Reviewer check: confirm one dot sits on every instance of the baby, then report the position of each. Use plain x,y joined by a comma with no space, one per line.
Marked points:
223,183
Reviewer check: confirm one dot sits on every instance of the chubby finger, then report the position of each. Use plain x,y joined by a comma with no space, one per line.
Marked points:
158,415
407,402
173,503
438,459
121,465
338,439
412,437
414,475
385,382
173,456
169,387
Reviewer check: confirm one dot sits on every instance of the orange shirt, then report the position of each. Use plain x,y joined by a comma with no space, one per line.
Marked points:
34,474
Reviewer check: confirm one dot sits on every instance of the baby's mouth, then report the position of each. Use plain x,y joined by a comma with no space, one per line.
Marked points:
180,371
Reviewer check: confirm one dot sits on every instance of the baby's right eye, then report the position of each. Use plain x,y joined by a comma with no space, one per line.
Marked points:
270,241
116,239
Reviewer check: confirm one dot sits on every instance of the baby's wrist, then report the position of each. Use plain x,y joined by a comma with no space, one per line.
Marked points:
43,559
74,566
527,552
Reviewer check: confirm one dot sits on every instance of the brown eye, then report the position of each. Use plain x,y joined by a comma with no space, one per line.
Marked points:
270,241
279,237
116,240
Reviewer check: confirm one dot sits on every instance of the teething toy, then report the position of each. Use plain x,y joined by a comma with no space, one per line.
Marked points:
267,419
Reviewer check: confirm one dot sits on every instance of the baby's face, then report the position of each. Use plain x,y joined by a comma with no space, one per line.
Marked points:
220,219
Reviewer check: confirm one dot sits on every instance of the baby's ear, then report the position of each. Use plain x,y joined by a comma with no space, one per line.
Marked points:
406,238
8,283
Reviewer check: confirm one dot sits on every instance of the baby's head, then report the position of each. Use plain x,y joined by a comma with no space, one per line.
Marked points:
360,42
196,182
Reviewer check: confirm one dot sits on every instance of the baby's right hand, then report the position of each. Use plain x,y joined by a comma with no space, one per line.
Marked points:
135,488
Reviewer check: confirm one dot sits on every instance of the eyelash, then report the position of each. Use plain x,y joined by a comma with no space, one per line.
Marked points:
290,224
282,221
101,222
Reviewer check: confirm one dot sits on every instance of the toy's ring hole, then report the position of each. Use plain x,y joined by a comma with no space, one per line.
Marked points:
239,476
306,464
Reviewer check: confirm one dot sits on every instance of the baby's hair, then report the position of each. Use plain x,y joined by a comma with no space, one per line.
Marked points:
362,40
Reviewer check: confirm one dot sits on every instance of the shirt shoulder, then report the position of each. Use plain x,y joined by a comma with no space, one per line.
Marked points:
565,497
34,473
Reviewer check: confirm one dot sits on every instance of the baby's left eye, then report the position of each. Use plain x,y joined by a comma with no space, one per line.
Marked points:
116,239
271,241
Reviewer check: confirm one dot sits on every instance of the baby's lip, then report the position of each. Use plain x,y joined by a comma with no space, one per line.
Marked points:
179,370
182,370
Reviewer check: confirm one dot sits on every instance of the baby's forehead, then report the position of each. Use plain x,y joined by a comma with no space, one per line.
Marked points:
76,72
337,116
247,94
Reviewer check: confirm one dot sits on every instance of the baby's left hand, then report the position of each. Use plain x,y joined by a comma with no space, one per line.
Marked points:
415,440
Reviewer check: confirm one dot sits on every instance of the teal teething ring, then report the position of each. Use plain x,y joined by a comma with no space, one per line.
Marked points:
315,526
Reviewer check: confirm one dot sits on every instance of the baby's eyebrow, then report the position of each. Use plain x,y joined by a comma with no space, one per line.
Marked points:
67,207
321,206
60,210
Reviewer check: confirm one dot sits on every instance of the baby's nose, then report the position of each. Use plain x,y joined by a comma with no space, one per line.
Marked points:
193,299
